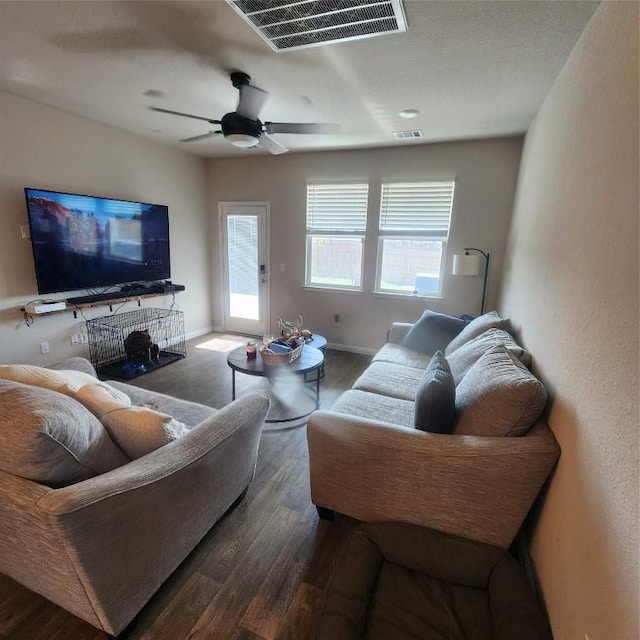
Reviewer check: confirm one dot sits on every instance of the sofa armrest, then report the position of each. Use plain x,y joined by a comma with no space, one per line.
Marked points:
246,412
126,530
398,331
475,487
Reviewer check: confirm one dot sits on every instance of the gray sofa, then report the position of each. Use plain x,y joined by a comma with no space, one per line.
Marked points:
368,461
100,547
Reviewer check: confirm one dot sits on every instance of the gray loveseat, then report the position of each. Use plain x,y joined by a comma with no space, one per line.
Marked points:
368,461
100,547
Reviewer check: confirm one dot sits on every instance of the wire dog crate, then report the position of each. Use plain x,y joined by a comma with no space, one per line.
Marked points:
107,336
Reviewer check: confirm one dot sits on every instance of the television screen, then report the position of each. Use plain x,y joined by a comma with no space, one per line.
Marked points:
83,242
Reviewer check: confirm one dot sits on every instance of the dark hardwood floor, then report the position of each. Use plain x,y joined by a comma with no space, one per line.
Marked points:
261,572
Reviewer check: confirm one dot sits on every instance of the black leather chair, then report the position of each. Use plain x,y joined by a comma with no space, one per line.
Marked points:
404,582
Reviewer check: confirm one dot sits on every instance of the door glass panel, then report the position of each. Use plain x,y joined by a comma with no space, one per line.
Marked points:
242,251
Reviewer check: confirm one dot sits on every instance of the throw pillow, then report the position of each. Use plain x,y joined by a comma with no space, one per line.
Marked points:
475,328
435,397
499,396
136,430
463,358
433,332
50,438
62,380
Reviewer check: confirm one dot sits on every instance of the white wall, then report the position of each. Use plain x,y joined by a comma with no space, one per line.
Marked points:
571,285
45,148
486,174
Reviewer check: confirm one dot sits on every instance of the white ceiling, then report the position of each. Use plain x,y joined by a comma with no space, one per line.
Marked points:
473,68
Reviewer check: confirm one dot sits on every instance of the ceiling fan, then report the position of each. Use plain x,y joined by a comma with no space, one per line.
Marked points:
243,128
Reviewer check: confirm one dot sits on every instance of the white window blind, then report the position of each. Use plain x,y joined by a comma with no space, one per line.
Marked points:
421,208
337,207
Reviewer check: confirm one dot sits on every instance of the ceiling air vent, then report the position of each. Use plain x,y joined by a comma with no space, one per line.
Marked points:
408,135
296,24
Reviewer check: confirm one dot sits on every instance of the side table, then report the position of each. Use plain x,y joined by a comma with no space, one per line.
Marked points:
320,343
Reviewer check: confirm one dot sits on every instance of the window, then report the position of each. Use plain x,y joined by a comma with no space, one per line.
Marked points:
336,224
412,235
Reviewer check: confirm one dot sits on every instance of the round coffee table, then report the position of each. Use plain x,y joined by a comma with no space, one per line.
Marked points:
311,359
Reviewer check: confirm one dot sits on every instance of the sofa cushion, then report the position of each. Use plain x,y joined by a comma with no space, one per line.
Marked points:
499,396
435,405
50,438
63,381
136,430
389,379
477,327
376,407
399,354
185,411
463,358
433,332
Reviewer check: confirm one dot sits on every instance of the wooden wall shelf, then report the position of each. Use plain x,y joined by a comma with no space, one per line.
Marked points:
119,298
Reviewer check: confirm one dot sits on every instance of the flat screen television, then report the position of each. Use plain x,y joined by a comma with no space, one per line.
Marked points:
86,242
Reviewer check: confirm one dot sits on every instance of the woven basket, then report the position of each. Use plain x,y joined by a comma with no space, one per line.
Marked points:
277,359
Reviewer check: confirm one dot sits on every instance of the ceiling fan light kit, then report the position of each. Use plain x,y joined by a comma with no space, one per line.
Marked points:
243,140
243,129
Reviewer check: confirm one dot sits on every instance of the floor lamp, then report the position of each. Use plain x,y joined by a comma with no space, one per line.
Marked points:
468,265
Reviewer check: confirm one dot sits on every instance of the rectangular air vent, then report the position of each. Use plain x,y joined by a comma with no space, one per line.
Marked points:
296,24
408,135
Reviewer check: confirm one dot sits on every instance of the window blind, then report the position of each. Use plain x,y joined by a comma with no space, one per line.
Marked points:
337,207
422,207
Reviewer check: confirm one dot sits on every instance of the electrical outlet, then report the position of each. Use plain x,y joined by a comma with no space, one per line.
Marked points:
44,347
75,338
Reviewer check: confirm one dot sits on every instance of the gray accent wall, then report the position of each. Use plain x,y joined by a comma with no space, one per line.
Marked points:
571,286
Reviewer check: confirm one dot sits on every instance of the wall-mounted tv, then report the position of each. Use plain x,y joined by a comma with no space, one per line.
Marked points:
85,242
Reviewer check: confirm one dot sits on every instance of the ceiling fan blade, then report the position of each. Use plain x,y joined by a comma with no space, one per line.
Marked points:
201,136
301,127
186,115
251,101
271,145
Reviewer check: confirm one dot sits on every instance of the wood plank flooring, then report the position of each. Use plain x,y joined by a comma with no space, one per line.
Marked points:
261,572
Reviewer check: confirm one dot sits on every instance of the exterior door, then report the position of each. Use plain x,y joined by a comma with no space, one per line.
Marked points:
244,235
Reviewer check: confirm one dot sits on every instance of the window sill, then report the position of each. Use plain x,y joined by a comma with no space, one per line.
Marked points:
351,292
404,296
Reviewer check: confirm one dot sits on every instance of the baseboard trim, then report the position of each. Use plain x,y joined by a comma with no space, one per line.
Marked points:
200,332
365,351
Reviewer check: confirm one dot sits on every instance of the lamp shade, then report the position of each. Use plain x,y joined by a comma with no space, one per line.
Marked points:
466,265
